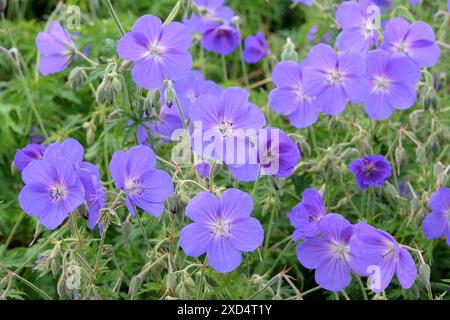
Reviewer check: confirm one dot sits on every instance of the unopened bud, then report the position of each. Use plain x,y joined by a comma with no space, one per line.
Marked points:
424,274
350,152
126,229
152,102
288,51
76,78
400,154
430,101
414,118
169,94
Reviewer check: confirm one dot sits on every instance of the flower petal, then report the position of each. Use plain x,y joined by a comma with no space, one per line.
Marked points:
222,256
195,238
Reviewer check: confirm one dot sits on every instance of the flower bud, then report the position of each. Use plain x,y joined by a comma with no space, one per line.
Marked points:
424,274
349,153
400,154
76,78
169,94
414,118
430,101
288,51
126,229
152,102
108,89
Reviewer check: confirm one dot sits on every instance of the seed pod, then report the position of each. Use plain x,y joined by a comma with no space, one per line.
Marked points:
400,154
414,118
424,274
421,155
350,152
135,285
288,51
126,229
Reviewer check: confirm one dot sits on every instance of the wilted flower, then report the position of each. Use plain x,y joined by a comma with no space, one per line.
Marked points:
380,255
158,51
221,38
56,48
358,26
306,215
222,228
437,223
334,79
289,98
416,41
330,255
26,155
145,186
392,84
255,48
372,171
274,154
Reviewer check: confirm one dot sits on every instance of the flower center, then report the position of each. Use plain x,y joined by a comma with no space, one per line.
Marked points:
134,186
57,192
401,47
382,83
225,128
367,28
341,250
335,77
221,228
156,51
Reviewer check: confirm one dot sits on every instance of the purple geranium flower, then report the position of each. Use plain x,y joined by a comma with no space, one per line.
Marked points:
414,2
437,223
25,155
222,228
358,26
383,3
158,51
372,171
416,41
93,189
330,255
220,121
212,10
221,38
380,256
145,186
327,37
52,191
255,48
392,84
55,47
334,80
274,152
289,98
306,215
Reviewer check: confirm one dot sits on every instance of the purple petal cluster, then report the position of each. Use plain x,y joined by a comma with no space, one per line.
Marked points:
224,119
222,228
274,154
333,79
289,98
392,84
308,3
221,38
358,26
55,47
59,182
255,48
381,256
25,155
158,52
335,248
416,41
134,172
372,170
306,215
437,223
